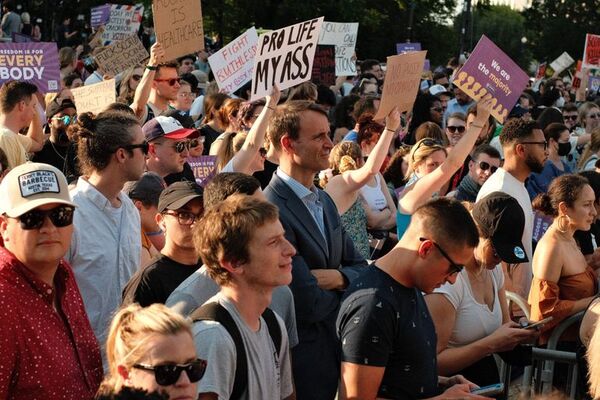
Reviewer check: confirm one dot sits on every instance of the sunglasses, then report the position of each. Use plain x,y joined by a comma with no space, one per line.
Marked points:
60,216
143,146
570,117
170,81
168,374
454,129
184,217
544,144
454,267
593,116
485,166
66,119
263,152
136,77
428,142
196,142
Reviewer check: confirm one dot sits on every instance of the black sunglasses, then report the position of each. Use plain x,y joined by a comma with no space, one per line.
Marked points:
168,374
485,166
428,142
454,267
263,152
453,129
136,77
60,216
544,144
571,117
143,146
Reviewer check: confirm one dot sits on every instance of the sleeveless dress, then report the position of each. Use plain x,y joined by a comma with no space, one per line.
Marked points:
354,221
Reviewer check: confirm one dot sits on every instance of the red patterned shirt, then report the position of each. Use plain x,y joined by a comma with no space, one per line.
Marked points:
44,353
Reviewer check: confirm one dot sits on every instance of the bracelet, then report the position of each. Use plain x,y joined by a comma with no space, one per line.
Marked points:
391,130
157,233
151,67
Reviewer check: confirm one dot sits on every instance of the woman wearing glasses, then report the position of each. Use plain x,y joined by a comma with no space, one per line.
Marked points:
185,98
456,127
430,166
131,80
471,316
152,349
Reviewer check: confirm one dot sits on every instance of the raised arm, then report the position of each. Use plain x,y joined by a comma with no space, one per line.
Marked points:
424,188
142,92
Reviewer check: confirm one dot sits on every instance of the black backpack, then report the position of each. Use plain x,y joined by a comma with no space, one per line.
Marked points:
216,312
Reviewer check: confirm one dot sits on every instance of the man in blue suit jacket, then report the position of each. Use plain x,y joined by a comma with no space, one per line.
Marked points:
326,260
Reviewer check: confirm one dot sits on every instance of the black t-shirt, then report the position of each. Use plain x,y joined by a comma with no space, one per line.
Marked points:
210,135
264,176
382,323
585,240
186,175
156,282
62,157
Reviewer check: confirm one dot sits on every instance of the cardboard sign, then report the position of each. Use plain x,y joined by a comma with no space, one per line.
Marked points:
178,26
232,65
323,70
591,51
100,15
343,35
407,47
121,55
32,62
123,22
285,57
541,223
489,73
94,98
561,63
204,167
401,84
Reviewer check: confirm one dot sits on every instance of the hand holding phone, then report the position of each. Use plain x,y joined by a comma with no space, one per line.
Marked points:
490,390
535,325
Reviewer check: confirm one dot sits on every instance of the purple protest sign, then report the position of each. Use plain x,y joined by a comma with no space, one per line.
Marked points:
33,62
204,167
21,38
541,223
489,73
100,15
407,47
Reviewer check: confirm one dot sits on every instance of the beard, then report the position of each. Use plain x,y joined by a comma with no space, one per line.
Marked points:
533,164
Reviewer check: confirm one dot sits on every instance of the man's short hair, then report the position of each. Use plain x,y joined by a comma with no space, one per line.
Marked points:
367,65
186,57
225,231
439,75
13,92
447,222
169,64
569,107
517,129
226,184
364,105
286,120
486,149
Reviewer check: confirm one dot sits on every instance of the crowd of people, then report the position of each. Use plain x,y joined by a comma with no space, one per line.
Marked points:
331,255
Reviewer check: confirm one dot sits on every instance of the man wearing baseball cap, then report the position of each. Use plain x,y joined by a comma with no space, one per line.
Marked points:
169,144
179,208
49,350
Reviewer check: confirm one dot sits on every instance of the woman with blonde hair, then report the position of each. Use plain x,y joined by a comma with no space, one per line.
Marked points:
150,348
588,159
129,82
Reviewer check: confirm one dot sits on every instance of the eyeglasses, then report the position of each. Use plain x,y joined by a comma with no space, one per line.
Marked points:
544,144
485,166
184,217
437,109
187,95
263,152
181,146
453,129
570,117
143,146
60,216
454,267
593,116
136,77
170,81
168,374
66,119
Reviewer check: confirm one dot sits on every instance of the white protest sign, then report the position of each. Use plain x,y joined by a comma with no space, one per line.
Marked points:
232,65
343,35
285,57
562,62
124,21
94,98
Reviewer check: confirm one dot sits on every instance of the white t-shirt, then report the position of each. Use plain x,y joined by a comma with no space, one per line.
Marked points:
474,320
502,181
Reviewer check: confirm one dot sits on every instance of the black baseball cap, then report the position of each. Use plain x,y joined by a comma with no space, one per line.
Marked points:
147,189
178,194
54,107
501,218
185,120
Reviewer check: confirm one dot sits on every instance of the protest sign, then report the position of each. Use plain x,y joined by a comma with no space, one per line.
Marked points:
94,98
204,167
561,63
594,84
343,35
591,51
285,57
232,65
323,70
178,26
541,223
121,55
541,70
489,73
21,38
407,47
100,15
33,62
401,82
123,22
576,84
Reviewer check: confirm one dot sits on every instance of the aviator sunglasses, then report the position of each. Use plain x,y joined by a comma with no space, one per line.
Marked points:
168,374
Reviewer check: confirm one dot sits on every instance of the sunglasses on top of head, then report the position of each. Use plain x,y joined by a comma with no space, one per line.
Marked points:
168,374
60,217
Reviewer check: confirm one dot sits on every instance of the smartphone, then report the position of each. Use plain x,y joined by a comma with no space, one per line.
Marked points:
489,390
538,323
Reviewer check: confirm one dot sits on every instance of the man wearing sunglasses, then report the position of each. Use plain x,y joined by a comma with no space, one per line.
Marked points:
58,149
485,160
387,334
48,346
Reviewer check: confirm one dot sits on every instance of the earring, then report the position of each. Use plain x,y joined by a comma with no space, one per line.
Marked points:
562,228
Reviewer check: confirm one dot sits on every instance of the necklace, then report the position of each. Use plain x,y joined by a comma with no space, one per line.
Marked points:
56,151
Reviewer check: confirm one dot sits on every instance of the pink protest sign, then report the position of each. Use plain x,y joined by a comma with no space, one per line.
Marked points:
490,73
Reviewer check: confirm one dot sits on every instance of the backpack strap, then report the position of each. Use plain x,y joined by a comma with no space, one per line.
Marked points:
274,328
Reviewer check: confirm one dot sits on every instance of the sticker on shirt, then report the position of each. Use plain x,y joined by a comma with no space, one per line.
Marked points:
37,182
519,253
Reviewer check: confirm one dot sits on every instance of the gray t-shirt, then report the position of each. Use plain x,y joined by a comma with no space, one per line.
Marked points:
199,287
269,369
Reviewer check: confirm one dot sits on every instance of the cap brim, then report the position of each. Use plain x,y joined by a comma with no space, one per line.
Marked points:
510,253
30,205
182,134
176,205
